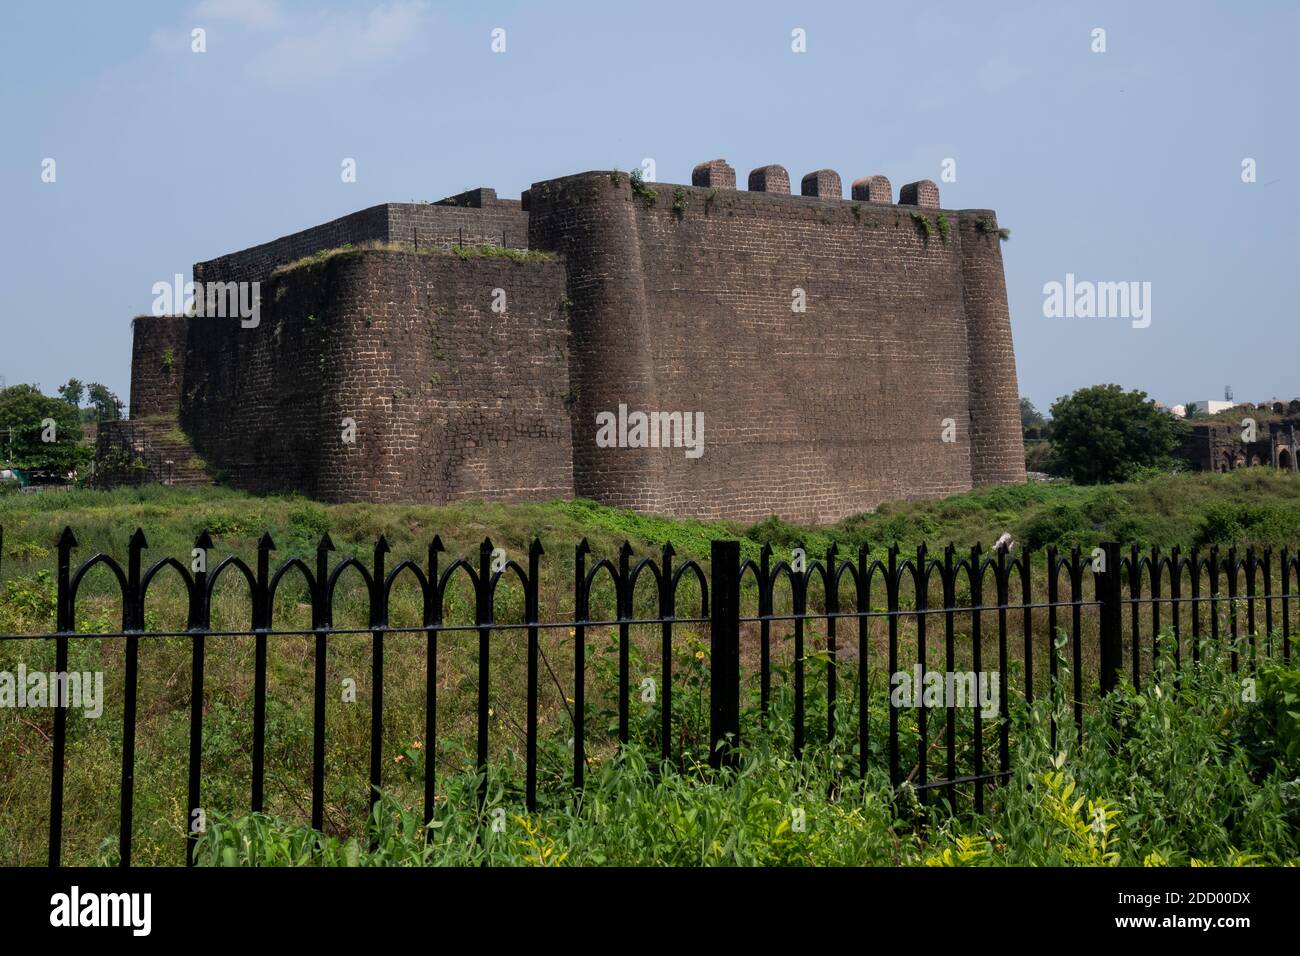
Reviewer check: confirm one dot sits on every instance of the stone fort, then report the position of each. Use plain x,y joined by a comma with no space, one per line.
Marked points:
839,352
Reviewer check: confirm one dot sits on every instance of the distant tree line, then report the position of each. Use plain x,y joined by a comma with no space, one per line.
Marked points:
42,433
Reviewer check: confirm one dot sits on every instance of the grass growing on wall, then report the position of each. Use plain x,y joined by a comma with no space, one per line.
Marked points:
460,251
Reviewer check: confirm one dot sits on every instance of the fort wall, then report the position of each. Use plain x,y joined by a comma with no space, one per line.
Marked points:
449,400
810,415
842,353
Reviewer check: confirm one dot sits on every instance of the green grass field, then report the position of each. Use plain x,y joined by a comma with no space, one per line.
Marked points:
1259,507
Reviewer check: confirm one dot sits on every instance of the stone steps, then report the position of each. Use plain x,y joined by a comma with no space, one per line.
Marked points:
143,451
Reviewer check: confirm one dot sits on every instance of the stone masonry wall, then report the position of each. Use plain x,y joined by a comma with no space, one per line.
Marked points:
664,299
157,364
450,400
811,416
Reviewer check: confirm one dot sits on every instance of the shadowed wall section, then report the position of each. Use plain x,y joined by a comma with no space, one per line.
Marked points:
450,399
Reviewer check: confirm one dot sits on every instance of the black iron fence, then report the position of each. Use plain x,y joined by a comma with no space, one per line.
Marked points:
927,593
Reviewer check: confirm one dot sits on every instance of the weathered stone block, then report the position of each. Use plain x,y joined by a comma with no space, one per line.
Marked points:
922,193
769,179
824,183
873,189
716,174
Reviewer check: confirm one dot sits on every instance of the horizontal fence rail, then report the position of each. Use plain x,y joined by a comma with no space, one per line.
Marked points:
932,595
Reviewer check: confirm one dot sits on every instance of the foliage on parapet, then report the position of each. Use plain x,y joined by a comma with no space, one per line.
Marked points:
467,251
641,191
923,223
679,202
501,252
989,227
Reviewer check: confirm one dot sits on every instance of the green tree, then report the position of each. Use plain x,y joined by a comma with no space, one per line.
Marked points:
26,431
1030,417
108,407
1104,434
73,392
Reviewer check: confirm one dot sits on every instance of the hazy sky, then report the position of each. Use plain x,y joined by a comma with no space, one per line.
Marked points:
1117,166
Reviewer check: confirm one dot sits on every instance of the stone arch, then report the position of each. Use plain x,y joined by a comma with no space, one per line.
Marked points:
1284,458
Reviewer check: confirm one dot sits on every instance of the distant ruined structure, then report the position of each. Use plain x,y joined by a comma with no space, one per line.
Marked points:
1219,446
839,353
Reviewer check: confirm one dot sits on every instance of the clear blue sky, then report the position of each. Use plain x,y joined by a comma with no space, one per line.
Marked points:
1123,165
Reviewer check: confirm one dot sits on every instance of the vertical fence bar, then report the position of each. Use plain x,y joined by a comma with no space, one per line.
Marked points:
433,620
624,640
1076,634
378,623
832,609
765,589
261,624
949,649
1027,622
580,613
1195,569
66,625
1004,724
132,621
1053,660
1106,583
1175,596
921,580
1135,623
1250,599
891,603
1154,573
1232,603
724,663
483,618
322,615
1286,606
863,598
799,589
977,648
1267,564
1214,597
200,621
531,601
667,611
